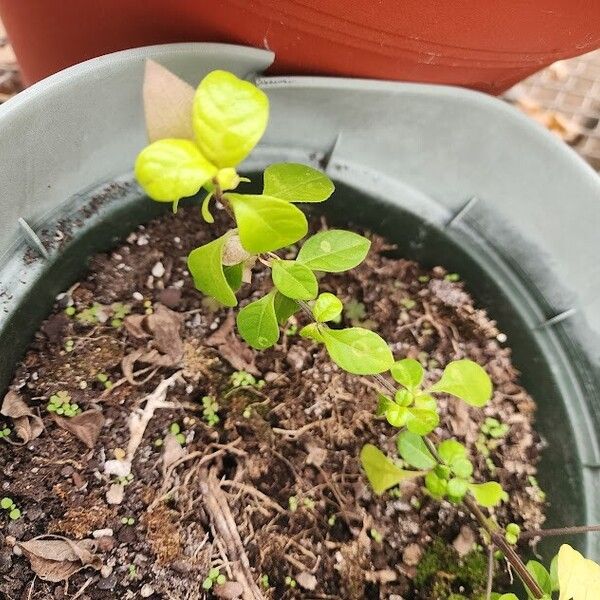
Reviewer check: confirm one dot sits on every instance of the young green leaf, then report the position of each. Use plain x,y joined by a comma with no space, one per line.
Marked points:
413,449
171,169
297,183
578,577
541,576
554,573
381,472
422,420
294,280
233,275
396,415
229,117
466,380
284,307
266,223
408,372
357,350
257,323
327,307
313,331
334,251
451,450
488,494
436,486
205,265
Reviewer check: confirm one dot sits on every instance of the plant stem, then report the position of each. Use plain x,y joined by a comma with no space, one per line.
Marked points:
527,535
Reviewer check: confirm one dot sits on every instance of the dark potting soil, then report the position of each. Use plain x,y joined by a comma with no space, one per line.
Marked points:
268,468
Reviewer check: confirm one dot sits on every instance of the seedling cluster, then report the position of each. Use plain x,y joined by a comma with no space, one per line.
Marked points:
61,404
229,117
10,507
214,577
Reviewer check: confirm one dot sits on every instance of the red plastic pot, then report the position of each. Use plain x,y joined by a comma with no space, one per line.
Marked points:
486,44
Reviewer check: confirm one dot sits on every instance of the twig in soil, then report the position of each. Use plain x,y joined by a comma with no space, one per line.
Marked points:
254,492
295,433
490,574
218,509
123,380
138,421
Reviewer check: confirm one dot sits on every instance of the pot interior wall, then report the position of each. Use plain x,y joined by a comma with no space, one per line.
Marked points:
560,474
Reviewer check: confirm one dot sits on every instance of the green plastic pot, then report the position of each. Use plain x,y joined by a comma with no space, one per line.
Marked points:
451,176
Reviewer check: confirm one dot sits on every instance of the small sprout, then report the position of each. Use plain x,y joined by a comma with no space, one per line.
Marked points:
452,277
209,413
408,303
293,503
132,571
290,582
423,278
60,404
91,315
512,533
494,429
9,505
292,329
148,307
4,431
125,479
214,577
158,442
104,380
174,429
69,345
244,379
355,311
120,311
376,536
331,520
181,439
70,311
247,412
127,521
308,503
264,581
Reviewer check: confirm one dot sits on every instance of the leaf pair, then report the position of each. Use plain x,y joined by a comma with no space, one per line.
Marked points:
382,473
229,116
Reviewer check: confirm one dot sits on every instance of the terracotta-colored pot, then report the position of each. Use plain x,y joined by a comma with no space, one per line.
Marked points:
486,44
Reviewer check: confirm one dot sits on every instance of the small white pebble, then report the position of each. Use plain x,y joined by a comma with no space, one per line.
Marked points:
142,240
179,284
177,239
106,571
150,282
17,550
61,296
117,256
146,591
83,385
137,296
131,238
158,270
189,389
98,533
501,337
35,376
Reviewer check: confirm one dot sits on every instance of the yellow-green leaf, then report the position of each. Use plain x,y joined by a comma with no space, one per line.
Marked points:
488,494
266,223
327,307
257,322
294,280
578,577
297,183
171,169
381,472
229,117
466,380
206,266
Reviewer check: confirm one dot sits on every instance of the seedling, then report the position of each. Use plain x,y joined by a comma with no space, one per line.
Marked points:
175,430
90,315
209,412
125,479
129,521
355,311
494,429
104,380
214,577
264,581
512,533
9,506
224,133
119,312
376,536
244,379
4,431
60,404
69,345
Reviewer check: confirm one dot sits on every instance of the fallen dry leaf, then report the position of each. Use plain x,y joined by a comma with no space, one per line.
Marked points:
58,558
168,104
134,324
164,325
27,425
85,426
239,355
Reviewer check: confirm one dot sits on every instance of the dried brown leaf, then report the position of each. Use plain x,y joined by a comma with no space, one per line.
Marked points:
167,104
134,324
27,425
239,355
85,426
172,451
57,559
164,325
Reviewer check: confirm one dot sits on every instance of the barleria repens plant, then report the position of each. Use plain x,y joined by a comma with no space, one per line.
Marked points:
228,118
